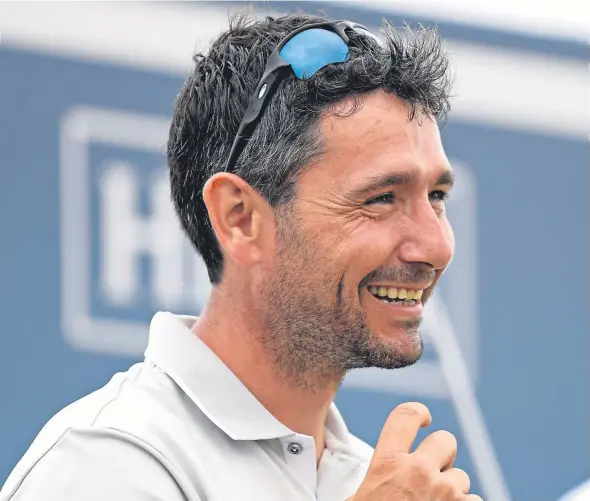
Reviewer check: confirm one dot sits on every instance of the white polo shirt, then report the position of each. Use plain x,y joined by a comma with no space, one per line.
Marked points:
579,493
181,426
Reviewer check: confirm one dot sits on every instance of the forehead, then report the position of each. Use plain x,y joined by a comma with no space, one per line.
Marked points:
377,138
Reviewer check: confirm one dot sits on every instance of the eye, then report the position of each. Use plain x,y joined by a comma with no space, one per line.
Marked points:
385,198
438,196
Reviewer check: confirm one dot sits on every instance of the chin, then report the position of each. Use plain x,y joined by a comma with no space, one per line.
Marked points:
411,354
403,350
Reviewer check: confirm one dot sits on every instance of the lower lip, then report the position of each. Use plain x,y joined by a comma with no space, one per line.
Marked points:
402,310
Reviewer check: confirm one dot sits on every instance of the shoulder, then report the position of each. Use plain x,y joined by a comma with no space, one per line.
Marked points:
120,432
93,464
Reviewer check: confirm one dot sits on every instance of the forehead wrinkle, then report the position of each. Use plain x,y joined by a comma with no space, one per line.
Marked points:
379,117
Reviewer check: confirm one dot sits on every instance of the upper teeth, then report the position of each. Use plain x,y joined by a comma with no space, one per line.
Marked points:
394,292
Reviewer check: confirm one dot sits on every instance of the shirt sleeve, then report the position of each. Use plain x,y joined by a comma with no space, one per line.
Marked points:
95,465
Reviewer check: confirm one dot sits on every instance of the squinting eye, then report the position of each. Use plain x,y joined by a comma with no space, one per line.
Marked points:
386,198
438,196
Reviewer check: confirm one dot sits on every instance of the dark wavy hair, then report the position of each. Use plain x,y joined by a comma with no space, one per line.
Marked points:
412,64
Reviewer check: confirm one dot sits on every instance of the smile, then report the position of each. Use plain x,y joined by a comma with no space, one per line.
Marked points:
397,295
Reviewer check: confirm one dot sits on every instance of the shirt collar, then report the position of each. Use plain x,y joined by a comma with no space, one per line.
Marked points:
215,389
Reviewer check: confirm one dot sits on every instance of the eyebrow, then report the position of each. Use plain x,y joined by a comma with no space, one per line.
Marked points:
371,184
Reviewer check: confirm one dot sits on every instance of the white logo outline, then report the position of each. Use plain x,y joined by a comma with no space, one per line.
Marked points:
79,127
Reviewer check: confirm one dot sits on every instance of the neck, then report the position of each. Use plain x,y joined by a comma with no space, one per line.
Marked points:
235,339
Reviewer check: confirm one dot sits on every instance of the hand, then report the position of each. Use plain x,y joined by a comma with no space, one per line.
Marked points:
427,474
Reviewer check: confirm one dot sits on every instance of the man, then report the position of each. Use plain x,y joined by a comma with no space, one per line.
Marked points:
307,169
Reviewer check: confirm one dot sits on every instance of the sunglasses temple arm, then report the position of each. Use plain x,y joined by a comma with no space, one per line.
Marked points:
251,119
236,151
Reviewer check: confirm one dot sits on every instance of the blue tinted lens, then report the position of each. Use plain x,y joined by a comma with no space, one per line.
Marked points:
311,50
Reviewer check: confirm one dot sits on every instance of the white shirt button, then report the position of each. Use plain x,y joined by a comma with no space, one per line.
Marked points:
295,448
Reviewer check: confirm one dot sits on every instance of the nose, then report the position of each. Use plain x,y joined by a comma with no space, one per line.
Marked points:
428,237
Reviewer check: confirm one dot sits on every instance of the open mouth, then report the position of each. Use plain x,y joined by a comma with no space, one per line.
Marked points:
396,295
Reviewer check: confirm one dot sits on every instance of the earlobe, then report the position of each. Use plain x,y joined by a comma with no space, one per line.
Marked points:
234,211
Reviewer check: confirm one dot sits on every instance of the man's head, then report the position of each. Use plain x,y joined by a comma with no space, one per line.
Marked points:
337,201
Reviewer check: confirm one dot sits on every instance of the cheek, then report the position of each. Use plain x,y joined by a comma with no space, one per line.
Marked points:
367,249
351,247
304,254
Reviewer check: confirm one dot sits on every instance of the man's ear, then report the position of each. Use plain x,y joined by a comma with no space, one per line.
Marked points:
236,212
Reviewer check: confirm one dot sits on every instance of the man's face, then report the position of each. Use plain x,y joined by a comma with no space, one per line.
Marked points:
361,248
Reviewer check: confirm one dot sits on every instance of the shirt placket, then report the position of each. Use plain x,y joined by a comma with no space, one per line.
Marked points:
300,457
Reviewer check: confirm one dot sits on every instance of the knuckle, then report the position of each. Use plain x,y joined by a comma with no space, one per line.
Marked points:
458,479
464,478
411,409
386,465
444,442
419,471
445,491
446,436
413,470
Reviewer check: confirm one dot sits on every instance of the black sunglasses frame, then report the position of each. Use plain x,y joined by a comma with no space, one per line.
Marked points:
276,70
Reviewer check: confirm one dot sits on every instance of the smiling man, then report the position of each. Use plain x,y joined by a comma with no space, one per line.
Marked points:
307,169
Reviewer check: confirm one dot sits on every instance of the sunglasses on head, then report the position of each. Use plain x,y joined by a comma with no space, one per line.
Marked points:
303,52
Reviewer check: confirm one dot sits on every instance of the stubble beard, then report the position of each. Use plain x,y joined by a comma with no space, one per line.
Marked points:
312,340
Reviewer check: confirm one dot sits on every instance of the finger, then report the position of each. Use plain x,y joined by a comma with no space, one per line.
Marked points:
458,479
473,497
401,428
439,449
